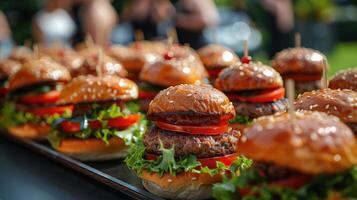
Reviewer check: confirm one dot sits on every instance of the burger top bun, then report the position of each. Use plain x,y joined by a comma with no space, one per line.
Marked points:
250,76
37,71
340,103
346,79
299,60
191,99
309,142
21,54
169,72
214,56
98,88
8,67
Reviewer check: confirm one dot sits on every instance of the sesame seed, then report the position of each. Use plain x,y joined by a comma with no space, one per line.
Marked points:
169,180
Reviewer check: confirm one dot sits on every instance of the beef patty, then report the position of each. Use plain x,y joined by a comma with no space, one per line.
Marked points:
273,172
254,110
202,146
305,86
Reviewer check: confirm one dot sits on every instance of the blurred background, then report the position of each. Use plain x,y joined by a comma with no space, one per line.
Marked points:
269,25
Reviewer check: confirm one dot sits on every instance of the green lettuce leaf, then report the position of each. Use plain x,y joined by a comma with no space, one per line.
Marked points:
241,120
319,188
167,163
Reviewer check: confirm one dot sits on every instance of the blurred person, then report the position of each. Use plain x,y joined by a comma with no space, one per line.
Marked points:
53,23
5,36
146,16
192,17
96,18
280,23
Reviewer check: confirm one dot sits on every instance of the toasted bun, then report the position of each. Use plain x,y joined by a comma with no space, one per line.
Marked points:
144,46
248,77
8,67
93,149
182,186
30,131
299,61
93,88
341,103
21,54
174,72
131,59
37,71
91,65
346,79
311,142
214,56
191,99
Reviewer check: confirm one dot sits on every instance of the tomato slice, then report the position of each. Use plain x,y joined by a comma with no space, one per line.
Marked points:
70,127
292,182
202,130
147,94
3,90
303,77
213,73
123,122
206,162
266,96
41,112
49,97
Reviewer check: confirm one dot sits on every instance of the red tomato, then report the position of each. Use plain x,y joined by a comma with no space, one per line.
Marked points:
204,130
266,96
206,162
213,73
51,110
123,122
224,119
303,77
94,124
70,127
3,90
49,97
147,94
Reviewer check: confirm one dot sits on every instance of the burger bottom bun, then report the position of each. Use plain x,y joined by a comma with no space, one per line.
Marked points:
182,186
30,131
94,149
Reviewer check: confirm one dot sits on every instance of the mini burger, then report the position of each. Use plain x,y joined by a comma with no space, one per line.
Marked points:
104,122
255,90
189,145
215,58
169,71
303,155
346,79
340,103
132,59
96,62
303,65
33,92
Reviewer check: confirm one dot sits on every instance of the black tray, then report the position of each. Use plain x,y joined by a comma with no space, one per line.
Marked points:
111,173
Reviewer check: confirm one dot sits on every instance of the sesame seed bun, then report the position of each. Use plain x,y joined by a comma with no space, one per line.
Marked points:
174,72
8,67
250,76
182,186
214,56
37,71
108,65
93,149
21,54
309,142
346,79
93,88
190,100
299,60
30,131
340,103
132,60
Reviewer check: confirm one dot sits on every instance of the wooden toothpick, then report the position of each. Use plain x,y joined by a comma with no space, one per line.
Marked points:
139,35
245,48
99,67
89,41
290,91
35,51
173,34
324,80
297,40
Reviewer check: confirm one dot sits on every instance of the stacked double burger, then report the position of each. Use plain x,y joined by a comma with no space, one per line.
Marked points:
189,145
